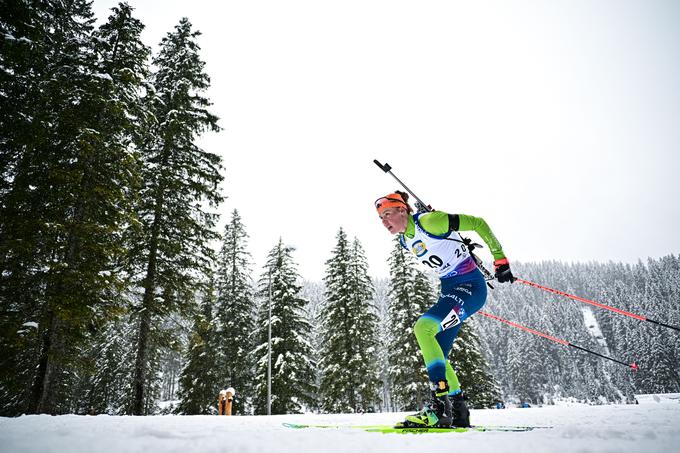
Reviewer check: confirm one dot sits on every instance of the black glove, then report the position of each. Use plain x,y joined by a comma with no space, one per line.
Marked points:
503,272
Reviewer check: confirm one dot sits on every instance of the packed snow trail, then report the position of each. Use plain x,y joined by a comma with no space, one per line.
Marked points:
652,426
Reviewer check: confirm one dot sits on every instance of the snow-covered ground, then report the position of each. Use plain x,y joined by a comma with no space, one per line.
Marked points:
651,426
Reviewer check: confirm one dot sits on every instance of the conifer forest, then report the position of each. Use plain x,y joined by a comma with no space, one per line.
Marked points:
120,295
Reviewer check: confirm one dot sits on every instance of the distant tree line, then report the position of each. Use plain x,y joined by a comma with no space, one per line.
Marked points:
358,337
533,369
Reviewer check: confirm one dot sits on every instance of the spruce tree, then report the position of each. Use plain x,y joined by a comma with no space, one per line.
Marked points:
410,296
179,184
365,360
24,58
122,59
292,368
348,366
26,55
235,314
66,199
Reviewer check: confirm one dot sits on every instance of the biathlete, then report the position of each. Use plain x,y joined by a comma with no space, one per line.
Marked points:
433,237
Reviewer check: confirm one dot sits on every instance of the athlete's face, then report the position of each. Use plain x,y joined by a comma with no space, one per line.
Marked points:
394,219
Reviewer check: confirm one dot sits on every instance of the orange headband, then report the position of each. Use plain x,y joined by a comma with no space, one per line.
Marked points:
392,200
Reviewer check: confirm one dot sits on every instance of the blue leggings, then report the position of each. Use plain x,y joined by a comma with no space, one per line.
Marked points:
436,329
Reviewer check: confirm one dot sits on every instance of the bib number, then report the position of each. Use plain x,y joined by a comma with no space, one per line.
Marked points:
433,261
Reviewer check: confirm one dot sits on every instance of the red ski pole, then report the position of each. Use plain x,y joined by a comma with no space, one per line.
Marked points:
632,366
596,304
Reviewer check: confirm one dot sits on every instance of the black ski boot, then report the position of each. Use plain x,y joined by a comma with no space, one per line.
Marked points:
461,414
436,414
443,406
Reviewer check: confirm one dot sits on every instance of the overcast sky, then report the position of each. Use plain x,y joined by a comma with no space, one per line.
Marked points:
556,121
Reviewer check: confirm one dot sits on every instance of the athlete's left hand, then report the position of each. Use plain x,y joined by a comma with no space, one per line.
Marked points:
503,272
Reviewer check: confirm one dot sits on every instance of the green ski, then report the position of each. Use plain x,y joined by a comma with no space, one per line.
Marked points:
391,429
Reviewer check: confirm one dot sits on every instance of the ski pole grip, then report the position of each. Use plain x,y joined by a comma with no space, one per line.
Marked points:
384,168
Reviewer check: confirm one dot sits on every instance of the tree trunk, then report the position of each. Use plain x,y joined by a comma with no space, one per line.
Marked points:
139,379
45,394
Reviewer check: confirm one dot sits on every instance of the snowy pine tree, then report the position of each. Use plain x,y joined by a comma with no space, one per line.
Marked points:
410,296
122,58
348,365
292,369
235,314
366,321
180,182
68,183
